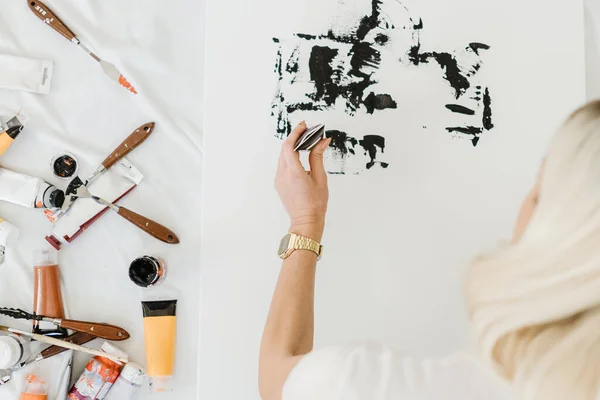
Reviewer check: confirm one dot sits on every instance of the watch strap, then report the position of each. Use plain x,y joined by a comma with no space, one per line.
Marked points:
298,242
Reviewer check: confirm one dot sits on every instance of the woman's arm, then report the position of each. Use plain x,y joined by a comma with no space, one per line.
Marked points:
288,333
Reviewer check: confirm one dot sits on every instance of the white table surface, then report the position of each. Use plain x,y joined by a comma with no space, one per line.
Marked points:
159,46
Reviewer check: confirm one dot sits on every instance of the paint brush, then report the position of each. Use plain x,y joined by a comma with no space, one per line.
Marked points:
62,343
47,15
104,331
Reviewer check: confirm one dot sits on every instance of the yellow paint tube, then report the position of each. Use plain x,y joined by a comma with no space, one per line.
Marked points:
159,327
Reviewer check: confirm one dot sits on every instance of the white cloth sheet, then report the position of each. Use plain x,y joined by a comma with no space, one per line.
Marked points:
158,46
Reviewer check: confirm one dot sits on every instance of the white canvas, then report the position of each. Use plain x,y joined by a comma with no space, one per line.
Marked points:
397,238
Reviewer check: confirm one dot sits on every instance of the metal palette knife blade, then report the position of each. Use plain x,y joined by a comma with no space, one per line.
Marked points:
310,138
75,190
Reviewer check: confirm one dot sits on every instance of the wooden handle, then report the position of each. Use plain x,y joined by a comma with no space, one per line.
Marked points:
155,229
134,140
76,338
45,14
104,331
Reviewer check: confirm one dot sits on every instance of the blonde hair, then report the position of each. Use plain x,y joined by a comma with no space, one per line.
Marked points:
535,305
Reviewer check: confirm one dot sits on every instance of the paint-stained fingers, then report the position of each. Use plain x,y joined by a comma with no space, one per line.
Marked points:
292,158
316,161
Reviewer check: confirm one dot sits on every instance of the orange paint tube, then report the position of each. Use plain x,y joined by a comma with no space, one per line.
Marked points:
35,389
160,331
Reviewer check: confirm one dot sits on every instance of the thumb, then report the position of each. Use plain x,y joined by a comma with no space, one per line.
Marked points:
317,167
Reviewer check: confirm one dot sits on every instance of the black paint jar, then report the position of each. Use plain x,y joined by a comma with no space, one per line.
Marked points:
147,271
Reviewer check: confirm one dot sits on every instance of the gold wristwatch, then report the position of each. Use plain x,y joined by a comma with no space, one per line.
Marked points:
292,242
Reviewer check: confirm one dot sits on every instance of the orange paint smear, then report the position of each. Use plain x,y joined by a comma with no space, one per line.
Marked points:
126,84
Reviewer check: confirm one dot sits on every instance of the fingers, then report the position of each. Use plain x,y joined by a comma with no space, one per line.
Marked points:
291,157
315,159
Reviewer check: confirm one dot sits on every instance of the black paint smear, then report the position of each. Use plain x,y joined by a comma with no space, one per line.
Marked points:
460,109
340,142
371,144
321,72
344,146
478,46
487,111
292,66
369,22
276,40
379,102
471,131
457,80
381,39
306,37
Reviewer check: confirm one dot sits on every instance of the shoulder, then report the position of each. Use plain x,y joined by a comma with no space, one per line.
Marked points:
374,371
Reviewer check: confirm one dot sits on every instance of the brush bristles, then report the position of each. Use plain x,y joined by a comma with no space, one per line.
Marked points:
4,328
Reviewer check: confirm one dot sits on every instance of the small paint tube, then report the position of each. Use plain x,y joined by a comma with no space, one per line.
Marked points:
129,383
29,191
25,74
35,389
10,131
159,331
8,235
147,271
98,376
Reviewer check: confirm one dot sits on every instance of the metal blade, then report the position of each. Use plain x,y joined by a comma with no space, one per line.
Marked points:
110,70
106,203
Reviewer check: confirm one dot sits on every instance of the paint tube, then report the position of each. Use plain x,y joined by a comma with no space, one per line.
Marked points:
159,330
8,235
129,383
10,131
29,191
26,74
98,376
35,389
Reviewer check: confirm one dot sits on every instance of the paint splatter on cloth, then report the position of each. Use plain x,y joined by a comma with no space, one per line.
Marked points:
340,71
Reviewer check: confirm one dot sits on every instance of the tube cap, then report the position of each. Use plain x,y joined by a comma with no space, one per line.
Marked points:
45,257
10,352
159,384
134,373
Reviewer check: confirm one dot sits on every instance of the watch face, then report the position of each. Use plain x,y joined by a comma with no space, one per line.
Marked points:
283,246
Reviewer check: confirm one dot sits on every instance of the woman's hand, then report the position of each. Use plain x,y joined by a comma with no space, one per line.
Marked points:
303,194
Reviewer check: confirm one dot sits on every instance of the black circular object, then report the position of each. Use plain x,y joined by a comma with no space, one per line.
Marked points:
65,166
144,271
57,198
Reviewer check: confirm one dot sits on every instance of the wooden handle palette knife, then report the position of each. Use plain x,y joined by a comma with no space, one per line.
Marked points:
104,331
132,141
44,13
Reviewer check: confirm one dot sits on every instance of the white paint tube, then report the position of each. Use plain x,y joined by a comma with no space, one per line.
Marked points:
25,74
8,235
29,191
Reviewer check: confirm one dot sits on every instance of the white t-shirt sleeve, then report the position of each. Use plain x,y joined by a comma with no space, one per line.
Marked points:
376,372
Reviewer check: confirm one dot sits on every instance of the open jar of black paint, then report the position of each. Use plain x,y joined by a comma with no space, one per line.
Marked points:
147,271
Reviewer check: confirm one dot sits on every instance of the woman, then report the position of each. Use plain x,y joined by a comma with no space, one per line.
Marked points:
535,305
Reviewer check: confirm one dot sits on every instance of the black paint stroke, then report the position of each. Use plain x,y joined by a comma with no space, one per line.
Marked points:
472,132
372,145
457,108
343,146
487,111
379,102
